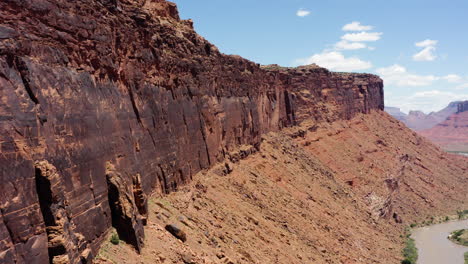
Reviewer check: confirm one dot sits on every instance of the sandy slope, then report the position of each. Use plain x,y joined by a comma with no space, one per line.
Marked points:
329,193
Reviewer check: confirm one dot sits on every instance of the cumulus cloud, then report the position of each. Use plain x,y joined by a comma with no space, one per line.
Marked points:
356,26
336,61
362,36
427,53
302,12
452,78
346,45
427,101
426,43
398,75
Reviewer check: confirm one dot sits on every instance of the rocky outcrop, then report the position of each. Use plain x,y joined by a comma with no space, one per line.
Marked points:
319,94
462,107
105,101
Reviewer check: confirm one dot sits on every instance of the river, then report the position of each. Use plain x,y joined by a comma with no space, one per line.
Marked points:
434,247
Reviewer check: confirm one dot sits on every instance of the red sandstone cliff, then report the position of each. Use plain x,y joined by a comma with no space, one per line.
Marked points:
451,134
105,101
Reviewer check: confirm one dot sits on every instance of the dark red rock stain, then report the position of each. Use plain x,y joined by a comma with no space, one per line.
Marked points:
88,83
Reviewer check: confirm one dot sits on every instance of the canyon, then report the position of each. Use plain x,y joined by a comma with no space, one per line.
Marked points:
452,133
446,128
110,105
418,120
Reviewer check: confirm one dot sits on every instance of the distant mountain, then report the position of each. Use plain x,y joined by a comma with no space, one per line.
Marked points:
418,120
452,133
396,113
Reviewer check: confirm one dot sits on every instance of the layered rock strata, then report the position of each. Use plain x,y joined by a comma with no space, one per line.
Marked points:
452,133
105,101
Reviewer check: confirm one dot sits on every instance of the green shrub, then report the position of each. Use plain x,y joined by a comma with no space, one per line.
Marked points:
115,239
410,252
413,225
462,213
466,257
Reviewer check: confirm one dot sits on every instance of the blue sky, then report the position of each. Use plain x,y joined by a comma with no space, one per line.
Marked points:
419,47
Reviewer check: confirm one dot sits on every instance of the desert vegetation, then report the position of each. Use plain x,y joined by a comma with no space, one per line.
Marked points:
459,237
410,252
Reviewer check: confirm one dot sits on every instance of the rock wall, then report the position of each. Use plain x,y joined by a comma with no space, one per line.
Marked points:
462,107
323,95
105,101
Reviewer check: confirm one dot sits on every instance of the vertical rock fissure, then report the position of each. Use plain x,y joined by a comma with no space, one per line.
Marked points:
202,130
44,193
289,108
124,212
22,69
164,186
64,244
140,197
134,106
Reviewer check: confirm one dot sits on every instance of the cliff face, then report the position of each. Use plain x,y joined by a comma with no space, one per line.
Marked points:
322,95
106,101
452,133
320,192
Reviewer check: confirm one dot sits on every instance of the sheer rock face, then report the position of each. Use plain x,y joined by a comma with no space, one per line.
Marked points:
462,107
323,95
85,84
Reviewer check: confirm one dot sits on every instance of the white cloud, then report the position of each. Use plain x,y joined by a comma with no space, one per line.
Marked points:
356,26
346,45
362,36
452,78
336,61
462,86
302,12
426,43
426,101
427,53
398,75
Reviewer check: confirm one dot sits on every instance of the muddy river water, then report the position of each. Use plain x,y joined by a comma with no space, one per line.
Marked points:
434,247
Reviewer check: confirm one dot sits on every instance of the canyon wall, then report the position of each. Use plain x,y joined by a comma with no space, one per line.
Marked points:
452,133
106,101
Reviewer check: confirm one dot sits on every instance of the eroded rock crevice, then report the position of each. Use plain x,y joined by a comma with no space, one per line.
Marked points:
64,244
23,71
126,217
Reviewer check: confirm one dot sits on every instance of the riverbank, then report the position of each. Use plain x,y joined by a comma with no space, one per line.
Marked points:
410,251
459,237
463,153
433,220
432,244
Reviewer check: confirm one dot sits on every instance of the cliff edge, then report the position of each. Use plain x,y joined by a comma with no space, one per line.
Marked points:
106,101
